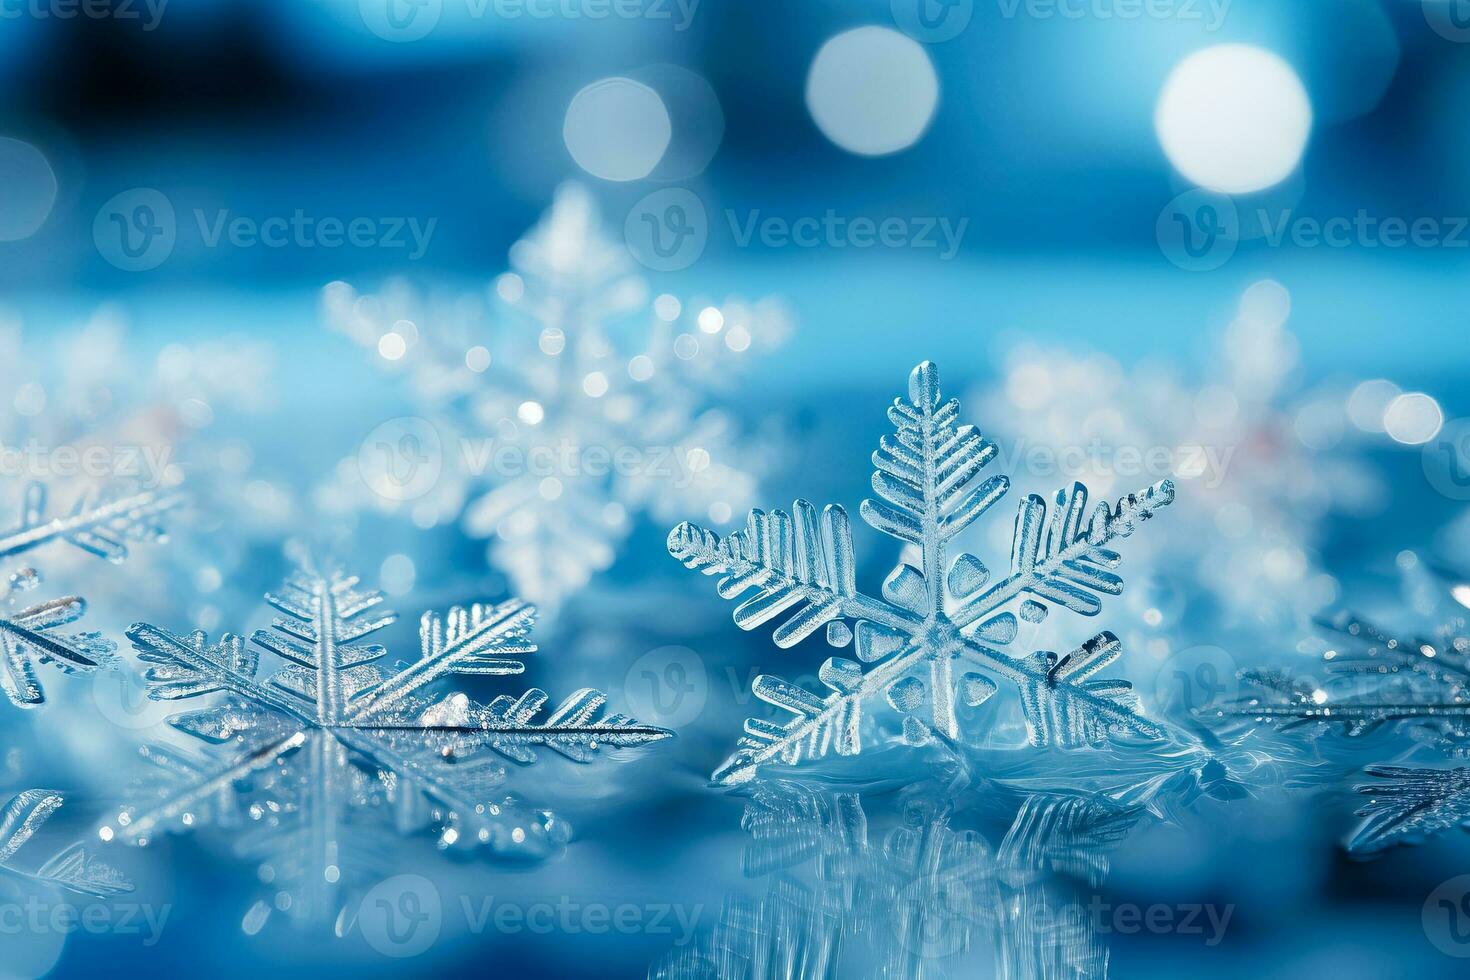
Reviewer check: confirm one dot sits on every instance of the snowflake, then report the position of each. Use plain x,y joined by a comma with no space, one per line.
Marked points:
1263,461
320,748
71,868
933,617
1416,685
102,526
582,409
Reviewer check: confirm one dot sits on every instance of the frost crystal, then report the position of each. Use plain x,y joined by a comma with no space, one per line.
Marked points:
29,633
933,618
1414,685
71,868
320,744
579,408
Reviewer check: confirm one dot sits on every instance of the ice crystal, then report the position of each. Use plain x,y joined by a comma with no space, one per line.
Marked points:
933,618
1262,461
320,747
71,868
1416,685
30,632
578,408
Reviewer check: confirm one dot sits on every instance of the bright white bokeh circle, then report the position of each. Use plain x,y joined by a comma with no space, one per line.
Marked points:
617,129
1233,118
1413,419
872,91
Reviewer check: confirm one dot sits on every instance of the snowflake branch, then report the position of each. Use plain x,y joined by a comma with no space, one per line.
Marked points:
1407,805
1074,562
27,635
806,564
138,827
480,639
189,667
922,473
573,729
323,620
102,529
72,867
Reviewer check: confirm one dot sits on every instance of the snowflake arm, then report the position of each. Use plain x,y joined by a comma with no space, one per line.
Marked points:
29,637
71,868
193,791
481,639
186,667
928,618
1434,674
324,618
1073,567
1407,805
101,527
576,728
805,564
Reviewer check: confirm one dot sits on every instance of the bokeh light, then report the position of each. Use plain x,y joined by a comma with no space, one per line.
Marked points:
1413,418
872,91
617,129
27,189
1233,118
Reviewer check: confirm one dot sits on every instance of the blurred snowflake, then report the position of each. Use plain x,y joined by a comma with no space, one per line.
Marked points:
1415,684
550,432
332,755
90,414
1263,462
932,617
29,635
71,868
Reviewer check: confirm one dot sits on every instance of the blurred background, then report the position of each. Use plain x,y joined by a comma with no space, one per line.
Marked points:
281,253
